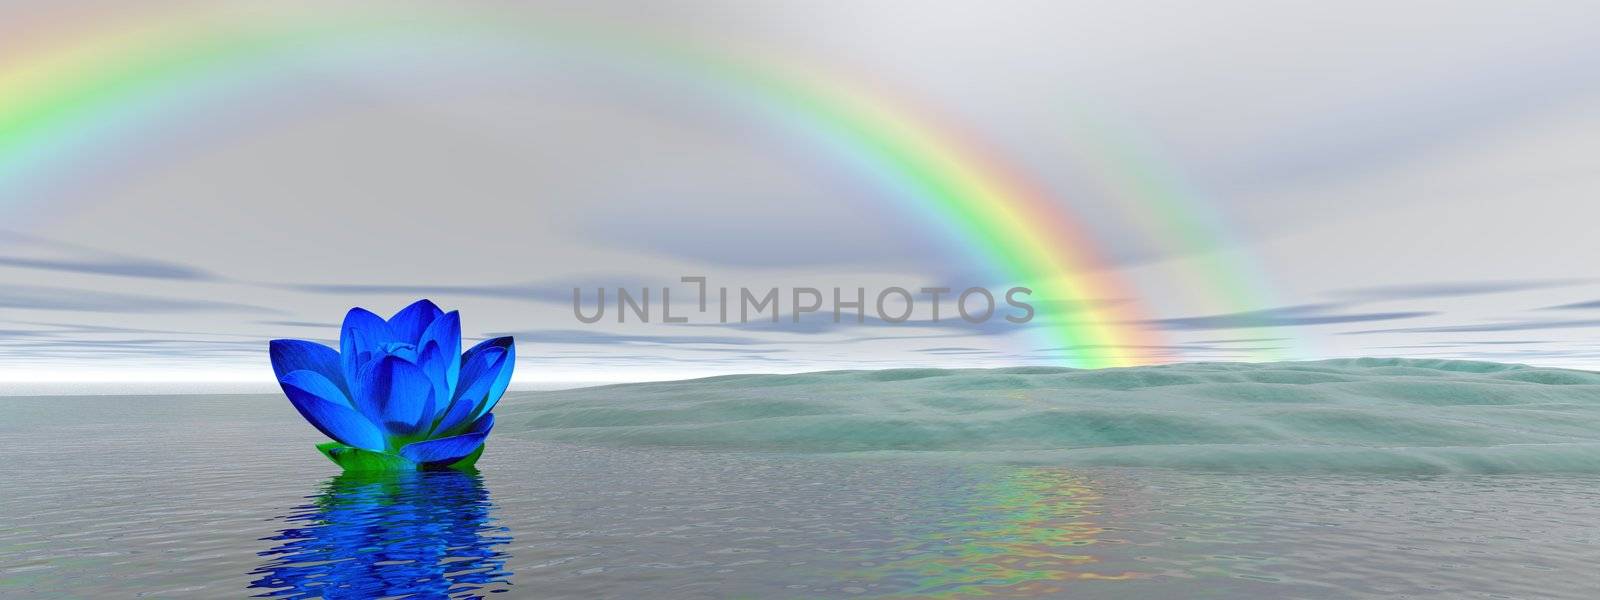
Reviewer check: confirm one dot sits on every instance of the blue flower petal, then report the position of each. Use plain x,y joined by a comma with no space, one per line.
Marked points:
396,393
289,356
445,331
483,360
440,356
478,370
482,369
447,450
323,405
361,340
434,367
502,380
411,321
316,384
482,425
457,414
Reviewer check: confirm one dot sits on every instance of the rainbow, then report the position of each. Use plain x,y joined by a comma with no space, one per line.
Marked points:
1223,279
60,98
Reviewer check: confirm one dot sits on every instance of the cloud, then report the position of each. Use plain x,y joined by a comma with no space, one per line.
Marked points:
1289,316
121,268
1487,327
94,262
554,290
737,350
67,328
1451,289
181,345
1575,306
957,351
21,333
314,324
515,291
822,322
578,336
1464,344
73,331
1171,348
68,299
630,360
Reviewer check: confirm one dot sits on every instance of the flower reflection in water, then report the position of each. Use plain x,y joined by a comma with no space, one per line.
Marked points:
389,534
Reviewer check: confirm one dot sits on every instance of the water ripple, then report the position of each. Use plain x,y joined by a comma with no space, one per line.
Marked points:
424,535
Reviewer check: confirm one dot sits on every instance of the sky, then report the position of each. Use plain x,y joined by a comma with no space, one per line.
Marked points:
1272,181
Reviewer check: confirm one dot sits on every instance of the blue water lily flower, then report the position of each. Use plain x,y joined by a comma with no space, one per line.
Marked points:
398,394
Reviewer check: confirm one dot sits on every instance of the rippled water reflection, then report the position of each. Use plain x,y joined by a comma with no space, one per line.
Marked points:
1026,533
389,534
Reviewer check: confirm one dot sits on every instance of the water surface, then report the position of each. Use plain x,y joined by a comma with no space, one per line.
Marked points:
223,496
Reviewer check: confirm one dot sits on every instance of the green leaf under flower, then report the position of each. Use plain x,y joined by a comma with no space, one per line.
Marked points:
357,459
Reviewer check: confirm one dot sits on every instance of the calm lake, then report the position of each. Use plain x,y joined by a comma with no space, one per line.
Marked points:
223,496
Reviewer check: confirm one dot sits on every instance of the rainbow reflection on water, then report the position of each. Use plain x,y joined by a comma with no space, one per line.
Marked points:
1027,533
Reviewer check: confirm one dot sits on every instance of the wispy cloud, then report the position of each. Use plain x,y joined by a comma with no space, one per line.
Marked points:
315,324
1158,348
73,331
121,268
78,300
1243,340
958,351
578,336
1452,289
554,290
1464,344
515,291
1575,306
11,334
1487,327
822,322
82,259
1289,316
